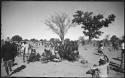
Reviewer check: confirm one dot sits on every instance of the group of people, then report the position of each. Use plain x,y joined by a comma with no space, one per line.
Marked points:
10,50
102,70
51,53
67,51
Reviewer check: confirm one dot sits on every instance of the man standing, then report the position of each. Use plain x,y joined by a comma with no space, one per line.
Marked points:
26,52
9,52
100,48
122,55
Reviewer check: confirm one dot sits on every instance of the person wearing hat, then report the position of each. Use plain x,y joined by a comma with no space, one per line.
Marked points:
8,54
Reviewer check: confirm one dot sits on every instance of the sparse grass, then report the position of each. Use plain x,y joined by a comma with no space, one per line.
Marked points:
74,68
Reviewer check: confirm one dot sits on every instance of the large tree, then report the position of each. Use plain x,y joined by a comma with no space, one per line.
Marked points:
16,38
59,23
92,23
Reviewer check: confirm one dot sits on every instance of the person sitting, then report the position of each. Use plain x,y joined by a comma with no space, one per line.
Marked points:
32,56
102,67
46,56
57,57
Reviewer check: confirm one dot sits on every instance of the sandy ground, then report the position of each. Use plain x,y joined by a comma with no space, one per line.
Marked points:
64,68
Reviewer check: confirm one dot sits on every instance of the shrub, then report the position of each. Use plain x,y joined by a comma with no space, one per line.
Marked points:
83,61
69,51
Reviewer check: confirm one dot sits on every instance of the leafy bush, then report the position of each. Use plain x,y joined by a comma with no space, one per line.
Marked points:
115,42
69,51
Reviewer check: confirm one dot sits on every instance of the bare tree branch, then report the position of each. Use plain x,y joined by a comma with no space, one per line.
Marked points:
59,23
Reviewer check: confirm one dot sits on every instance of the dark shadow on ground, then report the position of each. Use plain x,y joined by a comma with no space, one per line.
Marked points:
118,59
96,53
14,64
18,69
115,67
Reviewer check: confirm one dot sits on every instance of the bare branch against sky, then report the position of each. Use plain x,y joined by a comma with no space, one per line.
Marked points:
24,18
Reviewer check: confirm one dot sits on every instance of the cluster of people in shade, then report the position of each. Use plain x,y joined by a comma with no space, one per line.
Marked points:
28,53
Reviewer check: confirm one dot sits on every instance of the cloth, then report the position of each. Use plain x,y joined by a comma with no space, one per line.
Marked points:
26,46
102,48
102,70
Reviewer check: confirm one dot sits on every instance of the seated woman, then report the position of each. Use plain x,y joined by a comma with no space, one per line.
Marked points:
46,56
57,57
102,68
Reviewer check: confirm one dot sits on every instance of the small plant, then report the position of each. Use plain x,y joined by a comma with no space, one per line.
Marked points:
83,61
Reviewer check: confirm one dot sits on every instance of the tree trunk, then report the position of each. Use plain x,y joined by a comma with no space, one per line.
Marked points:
90,38
62,39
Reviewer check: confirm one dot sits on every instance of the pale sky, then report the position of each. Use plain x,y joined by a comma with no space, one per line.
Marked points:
24,17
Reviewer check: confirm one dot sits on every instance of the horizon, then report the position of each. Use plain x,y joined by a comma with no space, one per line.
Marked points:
24,18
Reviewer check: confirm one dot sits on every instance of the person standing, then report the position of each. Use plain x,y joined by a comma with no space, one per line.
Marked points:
100,48
26,52
9,52
23,50
122,55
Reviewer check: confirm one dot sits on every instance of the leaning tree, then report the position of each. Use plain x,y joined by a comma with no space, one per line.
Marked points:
59,24
92,23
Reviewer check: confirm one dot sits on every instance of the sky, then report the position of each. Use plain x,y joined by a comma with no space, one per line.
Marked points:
26,18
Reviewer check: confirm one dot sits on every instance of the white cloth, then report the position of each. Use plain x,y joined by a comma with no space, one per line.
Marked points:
123,46
22,47
26,48
102,48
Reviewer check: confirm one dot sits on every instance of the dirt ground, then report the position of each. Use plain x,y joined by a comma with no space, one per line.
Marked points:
64,68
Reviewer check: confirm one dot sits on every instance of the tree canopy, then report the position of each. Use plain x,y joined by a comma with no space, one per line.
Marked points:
92,23
16,38
59,23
